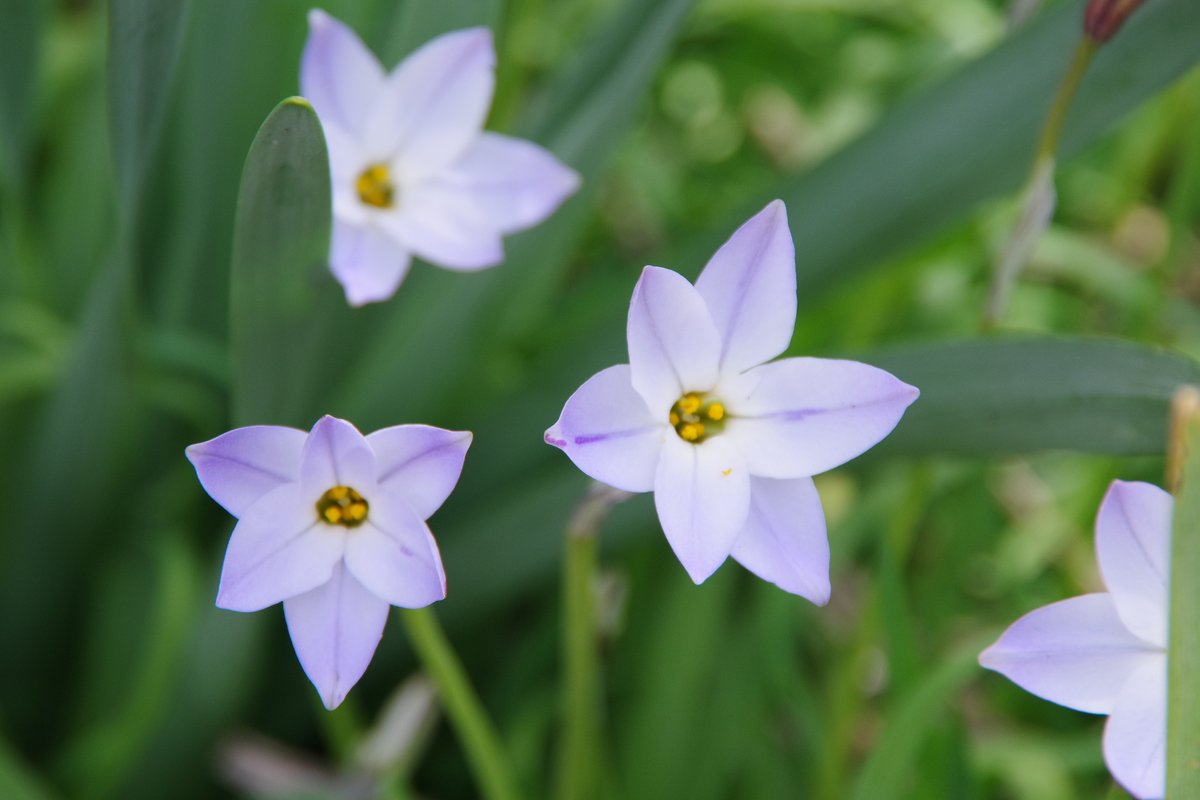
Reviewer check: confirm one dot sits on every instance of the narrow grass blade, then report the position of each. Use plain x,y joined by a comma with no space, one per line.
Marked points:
145,38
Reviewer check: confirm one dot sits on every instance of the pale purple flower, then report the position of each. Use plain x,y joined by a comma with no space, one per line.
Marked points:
413,171
331,523
727,442
1105,653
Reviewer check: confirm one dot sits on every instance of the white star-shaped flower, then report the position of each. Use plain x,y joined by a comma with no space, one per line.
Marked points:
332,524
413,171
727,439
1106,653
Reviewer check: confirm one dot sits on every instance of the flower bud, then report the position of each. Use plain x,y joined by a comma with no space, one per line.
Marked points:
1103,18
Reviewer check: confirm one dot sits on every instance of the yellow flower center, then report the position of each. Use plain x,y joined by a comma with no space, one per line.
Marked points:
375,186
343,506
695,418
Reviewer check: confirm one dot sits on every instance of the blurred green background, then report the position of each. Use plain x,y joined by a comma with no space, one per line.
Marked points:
897,133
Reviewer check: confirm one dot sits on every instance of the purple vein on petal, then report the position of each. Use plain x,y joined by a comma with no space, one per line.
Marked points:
418,456
794,414
284,545
592,438
393,539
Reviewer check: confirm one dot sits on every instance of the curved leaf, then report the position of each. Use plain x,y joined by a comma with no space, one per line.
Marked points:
278,275
995,396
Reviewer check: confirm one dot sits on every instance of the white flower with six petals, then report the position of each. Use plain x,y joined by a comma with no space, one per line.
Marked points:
1106,653
727,442
412,170
331,523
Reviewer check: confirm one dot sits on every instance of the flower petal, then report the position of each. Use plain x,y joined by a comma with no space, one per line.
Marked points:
419,463
335,629
702,494
338,74
808,415
239,467
336,454
784,539
749,286
441,226
1074,652
1135,737
514,183
368,264
606,429
394,555
434,103
278,550
673,344
1133,546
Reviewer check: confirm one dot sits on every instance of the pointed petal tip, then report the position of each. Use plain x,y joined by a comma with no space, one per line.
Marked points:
987,658
820,597
699,573
332,697
480,37
554,436
318,18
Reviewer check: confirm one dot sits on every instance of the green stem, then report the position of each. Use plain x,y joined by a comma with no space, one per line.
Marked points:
579,775
1037,198
484,750
1183,647
1052,130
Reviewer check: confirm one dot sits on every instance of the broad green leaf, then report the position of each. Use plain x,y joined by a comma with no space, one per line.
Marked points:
968,138
1020,395
278,279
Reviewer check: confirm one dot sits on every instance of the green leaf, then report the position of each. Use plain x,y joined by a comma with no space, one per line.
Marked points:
20,51
145,38
278,278
971,137
995,396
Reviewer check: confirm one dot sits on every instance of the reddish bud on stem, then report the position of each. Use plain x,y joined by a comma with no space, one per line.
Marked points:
1103,18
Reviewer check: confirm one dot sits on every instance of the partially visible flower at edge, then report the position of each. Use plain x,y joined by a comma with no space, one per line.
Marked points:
331,523
728,442
413,172
1106,653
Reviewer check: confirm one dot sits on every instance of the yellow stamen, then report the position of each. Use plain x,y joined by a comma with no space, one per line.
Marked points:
696,417
375,186
342,505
